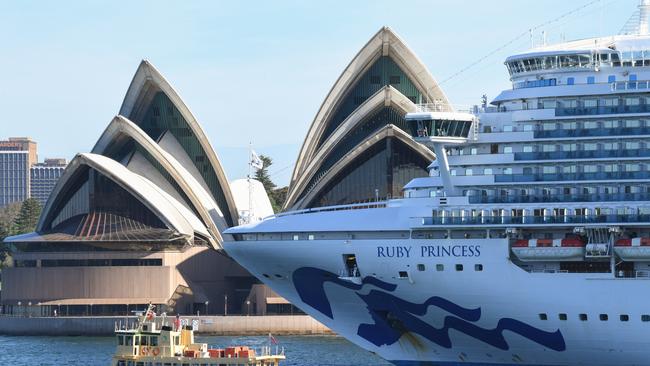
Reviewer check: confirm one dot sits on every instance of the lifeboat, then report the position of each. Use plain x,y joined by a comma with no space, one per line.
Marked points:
569,249
635,249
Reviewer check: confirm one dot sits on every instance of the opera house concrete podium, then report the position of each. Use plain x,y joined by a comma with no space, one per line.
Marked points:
357,149
135,220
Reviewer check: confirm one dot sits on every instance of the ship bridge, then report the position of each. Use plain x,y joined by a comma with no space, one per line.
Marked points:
437,129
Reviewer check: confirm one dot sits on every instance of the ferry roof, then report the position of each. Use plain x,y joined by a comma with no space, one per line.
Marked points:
634,42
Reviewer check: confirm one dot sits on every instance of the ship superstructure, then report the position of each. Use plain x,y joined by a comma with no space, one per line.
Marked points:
529,243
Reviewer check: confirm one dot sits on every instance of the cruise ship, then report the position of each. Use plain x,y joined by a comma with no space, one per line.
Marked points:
528,243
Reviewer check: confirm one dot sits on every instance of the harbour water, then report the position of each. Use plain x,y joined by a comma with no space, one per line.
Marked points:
97,351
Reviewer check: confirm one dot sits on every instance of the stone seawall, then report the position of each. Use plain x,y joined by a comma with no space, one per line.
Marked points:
215,325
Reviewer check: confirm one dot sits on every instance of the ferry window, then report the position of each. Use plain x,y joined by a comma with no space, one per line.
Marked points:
296,237
176,340
403,274
645,318
441,267
562,316
507,149
549,104
120,340
154,341
632,101
144,341
508,128
494,148
591,79
632,77
487,171
121,363
311,237
478,267
507,171
473,151
453,172
528,148
459,267
590,125
469,171
583,317
610,124
603,317
625,317
632,123
139,364
611,78
570,81
543,316
421,267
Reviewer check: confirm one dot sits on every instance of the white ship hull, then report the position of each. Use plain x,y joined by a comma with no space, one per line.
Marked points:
449,316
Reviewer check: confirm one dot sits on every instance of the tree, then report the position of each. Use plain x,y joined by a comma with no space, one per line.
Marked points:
276,195
8,215
28,216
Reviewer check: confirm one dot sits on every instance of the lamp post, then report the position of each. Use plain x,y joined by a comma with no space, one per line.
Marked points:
248,305
225,305
206,307
19,304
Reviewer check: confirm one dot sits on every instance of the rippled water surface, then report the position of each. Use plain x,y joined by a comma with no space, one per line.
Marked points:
58,351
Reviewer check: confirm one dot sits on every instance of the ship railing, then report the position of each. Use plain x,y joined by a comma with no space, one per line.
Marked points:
534,220
354,206
630,85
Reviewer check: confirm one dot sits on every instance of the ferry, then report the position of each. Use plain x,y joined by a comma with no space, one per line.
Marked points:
527,244
154,341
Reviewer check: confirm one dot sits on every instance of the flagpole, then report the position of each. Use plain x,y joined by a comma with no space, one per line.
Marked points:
250,183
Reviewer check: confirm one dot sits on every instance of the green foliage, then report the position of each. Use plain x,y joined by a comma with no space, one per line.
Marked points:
277,196
28,216
8,215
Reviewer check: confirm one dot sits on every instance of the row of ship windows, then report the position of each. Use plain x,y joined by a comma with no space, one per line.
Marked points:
553,169
441,267
551,147
570,125
588,102
603,317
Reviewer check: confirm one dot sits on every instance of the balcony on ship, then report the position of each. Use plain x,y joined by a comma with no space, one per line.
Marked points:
592,132
613,219
541,198
590,154
552,177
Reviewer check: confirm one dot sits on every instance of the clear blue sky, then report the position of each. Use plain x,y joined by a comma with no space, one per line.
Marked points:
249,70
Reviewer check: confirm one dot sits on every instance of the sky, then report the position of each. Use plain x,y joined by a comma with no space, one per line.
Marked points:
252,71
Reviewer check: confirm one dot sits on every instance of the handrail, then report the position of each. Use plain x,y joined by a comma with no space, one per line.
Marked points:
378,204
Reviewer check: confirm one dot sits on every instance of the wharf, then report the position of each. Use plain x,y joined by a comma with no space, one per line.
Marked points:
213,325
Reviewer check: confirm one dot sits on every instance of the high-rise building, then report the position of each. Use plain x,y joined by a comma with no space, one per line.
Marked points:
17,155
43,178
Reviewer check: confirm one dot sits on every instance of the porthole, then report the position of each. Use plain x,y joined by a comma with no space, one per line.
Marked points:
459,267
624,317
645,318
603,317
421,267
543,316
265,275
403,274
583,317
478,267
562,316
278,276
440,267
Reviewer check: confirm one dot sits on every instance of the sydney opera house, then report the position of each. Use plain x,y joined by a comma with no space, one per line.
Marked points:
357,148
138,219
141,217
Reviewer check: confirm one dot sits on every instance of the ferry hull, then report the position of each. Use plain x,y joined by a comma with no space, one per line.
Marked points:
417,306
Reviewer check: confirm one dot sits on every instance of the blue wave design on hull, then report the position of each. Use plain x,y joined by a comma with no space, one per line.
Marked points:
394,316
